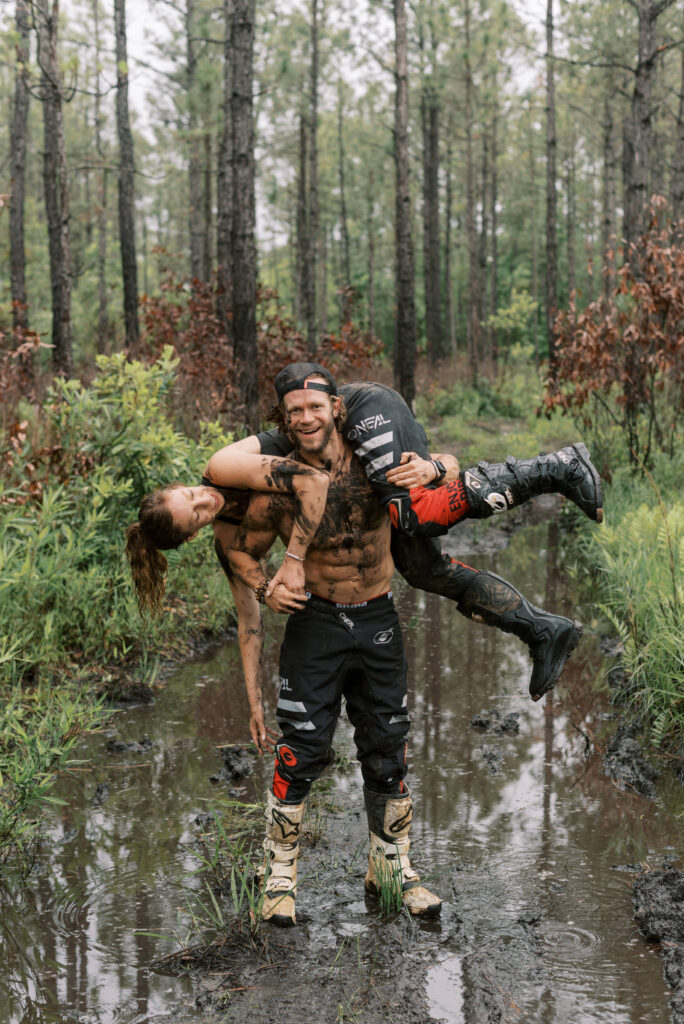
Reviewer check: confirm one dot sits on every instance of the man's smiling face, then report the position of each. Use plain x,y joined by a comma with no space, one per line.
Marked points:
310,418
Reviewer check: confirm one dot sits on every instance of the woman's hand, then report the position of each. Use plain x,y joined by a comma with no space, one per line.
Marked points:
289,575
263,737
283,600
412,471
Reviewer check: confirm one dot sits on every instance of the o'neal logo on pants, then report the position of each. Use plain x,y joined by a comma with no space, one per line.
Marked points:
384,636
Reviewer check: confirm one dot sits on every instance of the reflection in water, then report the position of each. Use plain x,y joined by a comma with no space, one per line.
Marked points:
523,857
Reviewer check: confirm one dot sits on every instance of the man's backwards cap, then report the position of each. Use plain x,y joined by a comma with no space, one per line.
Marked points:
294,378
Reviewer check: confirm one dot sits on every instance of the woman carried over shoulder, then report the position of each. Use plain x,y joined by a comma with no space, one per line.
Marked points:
172,515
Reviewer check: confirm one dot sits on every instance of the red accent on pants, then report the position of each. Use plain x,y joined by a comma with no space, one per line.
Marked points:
442,505
280,785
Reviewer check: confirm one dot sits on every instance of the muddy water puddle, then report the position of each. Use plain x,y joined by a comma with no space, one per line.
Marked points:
519,832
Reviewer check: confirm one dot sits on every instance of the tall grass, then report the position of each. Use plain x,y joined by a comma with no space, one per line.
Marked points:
71,478
638,559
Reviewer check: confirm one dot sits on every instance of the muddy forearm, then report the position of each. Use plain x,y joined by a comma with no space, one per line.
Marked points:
310,490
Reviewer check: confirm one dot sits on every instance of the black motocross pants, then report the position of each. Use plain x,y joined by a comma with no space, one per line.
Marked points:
332,651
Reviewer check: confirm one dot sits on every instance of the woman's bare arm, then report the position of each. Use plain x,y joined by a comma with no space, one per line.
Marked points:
231,467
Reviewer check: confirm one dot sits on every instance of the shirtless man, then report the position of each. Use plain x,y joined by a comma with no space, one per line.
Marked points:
342,639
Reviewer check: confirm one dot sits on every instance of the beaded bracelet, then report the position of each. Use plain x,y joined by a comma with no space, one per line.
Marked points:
260,591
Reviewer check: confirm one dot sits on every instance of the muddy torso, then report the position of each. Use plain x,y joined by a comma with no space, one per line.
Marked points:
349,558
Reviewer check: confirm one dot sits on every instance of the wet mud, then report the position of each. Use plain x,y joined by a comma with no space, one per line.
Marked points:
659,913
517,828
626,764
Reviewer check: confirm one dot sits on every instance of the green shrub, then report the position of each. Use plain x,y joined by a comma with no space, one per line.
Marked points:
639,558
71,486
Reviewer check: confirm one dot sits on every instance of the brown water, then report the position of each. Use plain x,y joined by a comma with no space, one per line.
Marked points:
523,858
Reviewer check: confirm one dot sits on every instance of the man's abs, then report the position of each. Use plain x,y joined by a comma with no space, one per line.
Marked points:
351,573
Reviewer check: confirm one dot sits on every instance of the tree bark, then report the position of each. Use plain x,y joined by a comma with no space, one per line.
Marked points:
678,169
570,216
18,171
429,109
129,265
370,231
535,250
494,268
640,127
473,300
224,183
193,144
405,340
344,228
448,284
484,245
551,293
302,212
312,218
608,225
102,315
56,182
245,350
206,207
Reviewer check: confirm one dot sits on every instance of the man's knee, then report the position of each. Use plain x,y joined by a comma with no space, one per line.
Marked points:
384,771
297,766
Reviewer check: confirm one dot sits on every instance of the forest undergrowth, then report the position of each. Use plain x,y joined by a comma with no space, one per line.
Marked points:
73,474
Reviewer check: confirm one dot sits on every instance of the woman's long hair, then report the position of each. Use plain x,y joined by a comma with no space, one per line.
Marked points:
154,532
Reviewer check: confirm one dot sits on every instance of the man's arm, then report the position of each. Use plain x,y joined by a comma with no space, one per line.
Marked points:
254,537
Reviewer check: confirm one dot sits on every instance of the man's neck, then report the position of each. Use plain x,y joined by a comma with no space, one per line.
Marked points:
335,454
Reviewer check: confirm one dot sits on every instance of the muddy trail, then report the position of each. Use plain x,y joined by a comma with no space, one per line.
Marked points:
520,825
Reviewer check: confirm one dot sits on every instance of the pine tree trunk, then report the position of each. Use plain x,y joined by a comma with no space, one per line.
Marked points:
18,171
245,351
312,218
473,300
494,268
370,231
551,293
433,313
224,183
450,326
102,315
483,246
56,182
322,289
637,164
535,250
608,226
405,340
570,217
129,265
206,208
678,168
301,288
193,144
344,229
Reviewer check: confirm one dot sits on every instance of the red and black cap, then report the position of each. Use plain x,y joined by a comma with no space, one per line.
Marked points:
295,378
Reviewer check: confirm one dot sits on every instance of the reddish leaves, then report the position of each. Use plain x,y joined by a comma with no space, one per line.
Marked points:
627,350
184,316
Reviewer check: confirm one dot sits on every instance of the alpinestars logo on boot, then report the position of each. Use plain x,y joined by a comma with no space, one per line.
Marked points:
384,636
496,502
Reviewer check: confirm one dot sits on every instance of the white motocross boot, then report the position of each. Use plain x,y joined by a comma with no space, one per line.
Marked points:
389,822
278,871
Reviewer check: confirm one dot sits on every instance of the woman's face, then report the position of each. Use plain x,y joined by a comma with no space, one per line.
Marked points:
192,508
